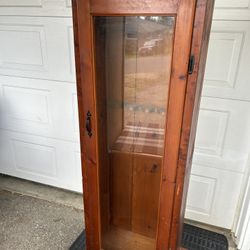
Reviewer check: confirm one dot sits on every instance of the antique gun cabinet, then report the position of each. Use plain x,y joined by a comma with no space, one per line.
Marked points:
140,66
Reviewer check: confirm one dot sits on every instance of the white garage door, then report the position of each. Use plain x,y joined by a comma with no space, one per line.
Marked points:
223,136
38,111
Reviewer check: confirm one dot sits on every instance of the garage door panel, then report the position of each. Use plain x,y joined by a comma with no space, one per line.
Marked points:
44,49
223,59
32,104
40,159
39,115
231,4
227,64
232,10
223,134
201,186
75,115
68,3
44,108
33,157
36,7
212,141
30,51
209,198
26,3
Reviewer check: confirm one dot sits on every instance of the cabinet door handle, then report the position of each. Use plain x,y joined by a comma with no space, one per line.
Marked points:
88,124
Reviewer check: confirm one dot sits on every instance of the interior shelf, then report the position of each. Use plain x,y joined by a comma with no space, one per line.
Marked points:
120,239
147,139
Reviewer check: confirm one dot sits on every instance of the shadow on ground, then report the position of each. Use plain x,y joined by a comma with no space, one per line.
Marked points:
28,223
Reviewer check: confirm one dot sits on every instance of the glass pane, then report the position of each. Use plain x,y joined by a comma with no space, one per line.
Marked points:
133,63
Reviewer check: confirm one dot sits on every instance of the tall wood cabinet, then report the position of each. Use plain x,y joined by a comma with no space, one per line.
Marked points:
140,67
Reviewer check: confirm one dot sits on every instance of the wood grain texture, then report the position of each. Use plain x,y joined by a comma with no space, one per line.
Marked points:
135,190
184,96
132,7
177,90
121,189
202,26
145,195
123,239
86,102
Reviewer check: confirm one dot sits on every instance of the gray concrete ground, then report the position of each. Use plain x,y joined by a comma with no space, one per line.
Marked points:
35,216
40,191
29,223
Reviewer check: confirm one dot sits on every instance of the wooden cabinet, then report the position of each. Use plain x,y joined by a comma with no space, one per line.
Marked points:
140,67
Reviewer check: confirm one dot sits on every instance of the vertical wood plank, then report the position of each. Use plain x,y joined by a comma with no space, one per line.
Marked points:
181,52
86,102
121,189
202,26
146,190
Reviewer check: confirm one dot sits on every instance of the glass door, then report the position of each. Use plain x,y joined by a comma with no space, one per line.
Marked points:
132,64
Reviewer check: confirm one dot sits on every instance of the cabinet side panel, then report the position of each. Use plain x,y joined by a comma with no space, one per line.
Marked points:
202,26
86,104
176,99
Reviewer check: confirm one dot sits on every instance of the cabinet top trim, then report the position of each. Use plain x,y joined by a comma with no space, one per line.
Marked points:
132,7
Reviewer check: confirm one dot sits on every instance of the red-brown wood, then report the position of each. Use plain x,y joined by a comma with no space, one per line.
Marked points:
200,40
182,44
132,7
86,102
182,107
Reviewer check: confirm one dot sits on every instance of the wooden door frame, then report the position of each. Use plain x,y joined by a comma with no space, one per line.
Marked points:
173,166
199,49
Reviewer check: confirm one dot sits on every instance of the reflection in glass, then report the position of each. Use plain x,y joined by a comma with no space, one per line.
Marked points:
132,60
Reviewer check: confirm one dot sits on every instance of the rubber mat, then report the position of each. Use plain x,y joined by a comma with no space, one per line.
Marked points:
193,238
79,243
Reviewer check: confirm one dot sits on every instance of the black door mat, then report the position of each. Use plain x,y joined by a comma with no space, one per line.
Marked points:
79,243
193,238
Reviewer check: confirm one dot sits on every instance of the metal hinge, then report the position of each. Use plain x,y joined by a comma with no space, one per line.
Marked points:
191,65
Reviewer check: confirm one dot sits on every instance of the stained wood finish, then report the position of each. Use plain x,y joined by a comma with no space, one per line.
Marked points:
83,40
128,239
132,7
135,188
178,81
121,189
183,98
145,196
200,40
